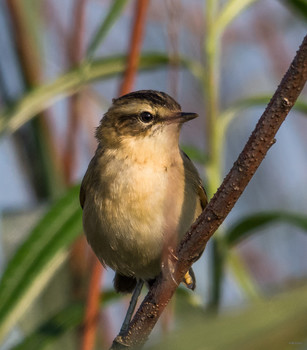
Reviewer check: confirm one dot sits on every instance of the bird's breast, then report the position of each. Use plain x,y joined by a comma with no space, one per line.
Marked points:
135,207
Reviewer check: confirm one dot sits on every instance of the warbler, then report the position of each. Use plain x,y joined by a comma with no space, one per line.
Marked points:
140,190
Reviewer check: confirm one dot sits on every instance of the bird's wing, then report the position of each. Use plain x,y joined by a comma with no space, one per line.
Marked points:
82,194
90,176
189,279
189,167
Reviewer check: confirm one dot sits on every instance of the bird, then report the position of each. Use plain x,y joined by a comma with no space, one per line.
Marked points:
141,192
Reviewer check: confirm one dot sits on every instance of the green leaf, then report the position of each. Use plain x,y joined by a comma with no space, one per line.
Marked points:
229,12
299,6
69,83
114,12
195,154
38,258
249,225
49,331
60,323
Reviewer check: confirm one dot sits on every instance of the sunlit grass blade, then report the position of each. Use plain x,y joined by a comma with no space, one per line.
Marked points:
36,261
115,11
229,12
69,83
247,226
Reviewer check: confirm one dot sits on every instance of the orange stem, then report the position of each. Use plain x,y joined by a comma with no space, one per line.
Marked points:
75,56
92,307
135,46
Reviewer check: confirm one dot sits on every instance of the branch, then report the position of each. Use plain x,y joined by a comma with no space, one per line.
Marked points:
220,205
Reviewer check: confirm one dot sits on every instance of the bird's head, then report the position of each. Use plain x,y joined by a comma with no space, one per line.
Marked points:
139,115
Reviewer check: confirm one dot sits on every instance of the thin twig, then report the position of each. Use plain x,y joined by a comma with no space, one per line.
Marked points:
220,205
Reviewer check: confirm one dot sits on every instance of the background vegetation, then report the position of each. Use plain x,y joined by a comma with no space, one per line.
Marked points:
60,66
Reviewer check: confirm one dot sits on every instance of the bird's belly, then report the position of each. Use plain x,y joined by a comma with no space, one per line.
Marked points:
126,223
133,249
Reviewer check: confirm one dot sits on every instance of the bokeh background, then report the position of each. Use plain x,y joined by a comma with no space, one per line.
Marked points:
61,64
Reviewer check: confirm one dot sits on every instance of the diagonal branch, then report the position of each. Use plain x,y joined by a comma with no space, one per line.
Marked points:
220,205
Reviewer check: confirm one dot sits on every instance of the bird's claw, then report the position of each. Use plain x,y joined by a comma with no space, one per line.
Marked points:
169,264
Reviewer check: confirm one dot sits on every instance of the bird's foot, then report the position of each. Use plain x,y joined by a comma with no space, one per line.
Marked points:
169,264
133,301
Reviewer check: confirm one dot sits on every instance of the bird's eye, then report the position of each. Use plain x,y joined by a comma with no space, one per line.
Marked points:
146,117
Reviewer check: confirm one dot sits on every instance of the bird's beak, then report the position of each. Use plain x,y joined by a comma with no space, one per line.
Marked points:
180,118
184,117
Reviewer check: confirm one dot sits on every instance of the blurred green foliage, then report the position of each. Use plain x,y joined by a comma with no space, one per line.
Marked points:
279,322
38,258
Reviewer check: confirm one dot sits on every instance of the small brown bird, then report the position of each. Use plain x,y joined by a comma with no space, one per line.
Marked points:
140,191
